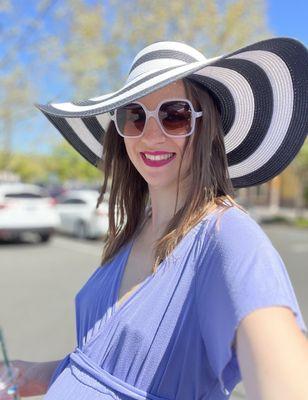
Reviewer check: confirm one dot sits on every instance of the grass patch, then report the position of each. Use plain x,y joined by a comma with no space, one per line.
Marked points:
298,222
276,219
301,222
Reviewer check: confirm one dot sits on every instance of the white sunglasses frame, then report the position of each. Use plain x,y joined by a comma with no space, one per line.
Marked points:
148,113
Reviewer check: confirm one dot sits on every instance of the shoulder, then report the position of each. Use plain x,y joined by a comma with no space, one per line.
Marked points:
234,227
233,239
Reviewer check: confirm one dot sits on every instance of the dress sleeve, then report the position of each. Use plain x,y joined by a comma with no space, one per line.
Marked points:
239,272
59,368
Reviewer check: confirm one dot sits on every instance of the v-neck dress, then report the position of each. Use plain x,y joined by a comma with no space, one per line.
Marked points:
172,338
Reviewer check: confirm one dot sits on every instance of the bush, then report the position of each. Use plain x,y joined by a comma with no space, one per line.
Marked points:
276,219
301,222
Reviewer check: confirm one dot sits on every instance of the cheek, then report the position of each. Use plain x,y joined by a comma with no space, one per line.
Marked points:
129,146
133,154
187,157
187,162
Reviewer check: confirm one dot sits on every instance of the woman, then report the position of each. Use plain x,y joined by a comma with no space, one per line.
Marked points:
191,294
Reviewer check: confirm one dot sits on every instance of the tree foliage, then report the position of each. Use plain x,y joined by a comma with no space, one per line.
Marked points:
67,164
105,36
57,51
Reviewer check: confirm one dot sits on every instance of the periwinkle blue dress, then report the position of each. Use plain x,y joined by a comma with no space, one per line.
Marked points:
171,339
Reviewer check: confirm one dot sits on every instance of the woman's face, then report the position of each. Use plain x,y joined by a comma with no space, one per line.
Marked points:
154,140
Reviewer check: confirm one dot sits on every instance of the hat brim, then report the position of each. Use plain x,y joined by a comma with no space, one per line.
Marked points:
262,93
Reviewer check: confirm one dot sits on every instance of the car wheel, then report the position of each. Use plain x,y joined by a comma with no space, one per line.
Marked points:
81,230
44,237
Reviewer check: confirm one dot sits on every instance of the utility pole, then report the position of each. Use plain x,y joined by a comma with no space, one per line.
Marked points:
275,194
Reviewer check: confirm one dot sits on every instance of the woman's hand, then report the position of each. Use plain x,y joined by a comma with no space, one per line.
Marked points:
31,378
7,381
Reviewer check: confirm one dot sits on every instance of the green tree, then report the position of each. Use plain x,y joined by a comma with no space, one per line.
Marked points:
15,96
29,167
88,53
16,86
213,26
90,45
67,164
104,36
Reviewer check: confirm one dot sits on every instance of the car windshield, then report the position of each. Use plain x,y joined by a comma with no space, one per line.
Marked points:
24,195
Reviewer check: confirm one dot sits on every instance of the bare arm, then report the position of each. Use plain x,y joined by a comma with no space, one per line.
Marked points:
273,355
33,377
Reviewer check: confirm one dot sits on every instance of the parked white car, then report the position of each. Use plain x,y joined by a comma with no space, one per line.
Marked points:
26,208
78,215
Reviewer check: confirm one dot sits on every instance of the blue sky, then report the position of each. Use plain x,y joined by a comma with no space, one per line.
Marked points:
289,18
285,18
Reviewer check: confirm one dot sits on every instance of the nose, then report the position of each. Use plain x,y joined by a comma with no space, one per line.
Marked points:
153,132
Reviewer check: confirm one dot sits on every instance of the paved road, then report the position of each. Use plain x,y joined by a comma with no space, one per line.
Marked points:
38,284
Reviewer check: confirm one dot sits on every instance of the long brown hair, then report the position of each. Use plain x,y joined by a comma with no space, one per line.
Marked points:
210,185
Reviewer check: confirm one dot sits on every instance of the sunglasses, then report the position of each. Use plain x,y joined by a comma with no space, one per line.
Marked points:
176,118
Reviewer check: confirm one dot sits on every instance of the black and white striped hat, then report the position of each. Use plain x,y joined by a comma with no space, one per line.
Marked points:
262,91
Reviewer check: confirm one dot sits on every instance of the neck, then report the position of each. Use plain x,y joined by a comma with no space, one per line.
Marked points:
163,207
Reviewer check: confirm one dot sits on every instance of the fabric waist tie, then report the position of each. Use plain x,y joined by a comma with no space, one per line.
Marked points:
88,369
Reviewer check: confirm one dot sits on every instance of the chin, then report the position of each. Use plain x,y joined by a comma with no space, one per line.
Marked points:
160,183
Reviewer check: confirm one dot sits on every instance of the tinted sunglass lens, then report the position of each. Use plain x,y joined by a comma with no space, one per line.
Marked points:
175,116
131,119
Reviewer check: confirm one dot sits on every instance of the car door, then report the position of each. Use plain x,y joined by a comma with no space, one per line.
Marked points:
70,209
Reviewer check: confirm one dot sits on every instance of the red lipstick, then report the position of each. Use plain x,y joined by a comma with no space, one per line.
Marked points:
157,153
157,163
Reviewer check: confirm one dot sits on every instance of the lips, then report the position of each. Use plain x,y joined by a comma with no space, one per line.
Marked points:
157,163
157,153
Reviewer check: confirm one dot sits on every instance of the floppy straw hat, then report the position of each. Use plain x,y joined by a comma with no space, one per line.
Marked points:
261,90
